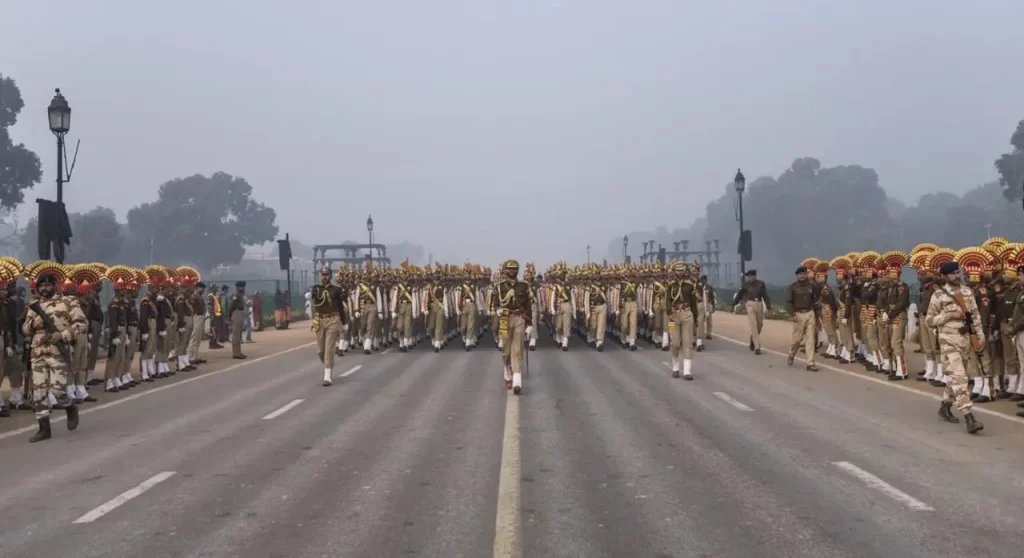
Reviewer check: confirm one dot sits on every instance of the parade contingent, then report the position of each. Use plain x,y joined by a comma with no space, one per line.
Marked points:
151,328
967,317
670,305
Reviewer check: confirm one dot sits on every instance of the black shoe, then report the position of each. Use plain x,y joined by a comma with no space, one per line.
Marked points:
946,412
757,351
44,431
751,343
5,411
973,426
789,360
72,411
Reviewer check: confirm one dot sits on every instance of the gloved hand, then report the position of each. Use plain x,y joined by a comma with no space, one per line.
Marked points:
885,316
499,311
162,333
380,316
181,330
145,336
357,314
115,341
529,330
844,321
9,351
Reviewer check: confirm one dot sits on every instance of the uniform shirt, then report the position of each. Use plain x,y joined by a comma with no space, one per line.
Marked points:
628,291
943,303
753,291
367,294
682,295
801,296
328,299
827,300
513,297
1005,301
1017,321
67,318
897,299
596,294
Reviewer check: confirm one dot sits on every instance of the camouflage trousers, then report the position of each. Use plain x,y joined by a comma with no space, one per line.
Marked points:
49,386
956,354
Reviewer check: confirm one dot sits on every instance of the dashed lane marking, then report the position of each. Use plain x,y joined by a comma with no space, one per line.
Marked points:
125,497
883,487
728,399
283,410
351,371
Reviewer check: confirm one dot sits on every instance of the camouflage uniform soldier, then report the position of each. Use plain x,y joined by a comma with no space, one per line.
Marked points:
952,310
51,322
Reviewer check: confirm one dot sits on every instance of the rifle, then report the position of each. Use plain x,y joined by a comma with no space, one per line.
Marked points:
65,352
968,328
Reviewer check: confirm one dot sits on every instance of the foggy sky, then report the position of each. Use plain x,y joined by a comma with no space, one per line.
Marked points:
494,129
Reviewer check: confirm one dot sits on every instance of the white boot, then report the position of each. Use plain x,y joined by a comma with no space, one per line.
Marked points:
664,339
675,366
367,346
126,379
501,343
533,343
929,370
117,382
82,392
899,368
327,376
977,385
565,342
687,363
17,396
1012,381
700,342
70,389
508,373
517,383
110,384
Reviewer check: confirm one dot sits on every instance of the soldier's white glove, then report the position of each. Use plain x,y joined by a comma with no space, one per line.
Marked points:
380,316
89,337
344,327
499,311
115,341
145,336
181,330
162,333
9,351
529,330
357,314
885,316
843,321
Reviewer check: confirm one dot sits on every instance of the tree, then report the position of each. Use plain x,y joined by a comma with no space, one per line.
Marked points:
97,238
201,221
1011,166
20,168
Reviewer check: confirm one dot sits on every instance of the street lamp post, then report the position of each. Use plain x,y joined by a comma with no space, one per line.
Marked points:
59,115
625,247
369,229
588,253
740,183
988,230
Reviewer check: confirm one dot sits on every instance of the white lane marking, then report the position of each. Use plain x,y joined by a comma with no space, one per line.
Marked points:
895,385
351,371
508,522
124,497
385,351
883,487
283,410
157,389
725,397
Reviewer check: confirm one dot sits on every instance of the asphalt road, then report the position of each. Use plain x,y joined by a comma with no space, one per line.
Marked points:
410,455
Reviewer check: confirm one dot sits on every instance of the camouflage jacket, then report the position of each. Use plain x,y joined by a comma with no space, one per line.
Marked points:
68,318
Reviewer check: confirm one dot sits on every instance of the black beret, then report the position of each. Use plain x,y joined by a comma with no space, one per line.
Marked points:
46,279
800,270
201,285
751,272
240,284
949,267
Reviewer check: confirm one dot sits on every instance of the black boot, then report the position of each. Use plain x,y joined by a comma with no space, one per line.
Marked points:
44,431
946,412
72,411
973,426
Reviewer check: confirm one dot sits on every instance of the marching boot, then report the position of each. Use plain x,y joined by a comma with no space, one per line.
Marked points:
72,412
327,377
973,426
44,431
946,412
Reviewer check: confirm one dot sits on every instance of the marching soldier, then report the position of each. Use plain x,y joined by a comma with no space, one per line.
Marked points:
1007,289
801,300
681,301
628,294
197,300
973,262
511,303
405,307
8,276
467,309
51,323
920,261
563,304
436,310
754,295
328,302
844,309
368,301
894,319
828,306
952,311
869,310
117,327
595,303
530,278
